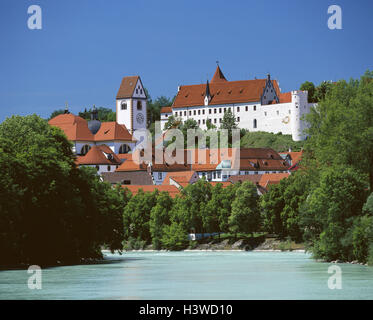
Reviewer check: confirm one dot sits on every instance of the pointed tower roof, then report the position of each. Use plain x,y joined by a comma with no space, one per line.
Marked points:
218,76
207,94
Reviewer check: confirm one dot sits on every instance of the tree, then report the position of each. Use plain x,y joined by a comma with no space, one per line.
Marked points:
159,217
57,212
136,216
310,87
174,237
329,211
154,107
340,123
228,122
55,113
245,215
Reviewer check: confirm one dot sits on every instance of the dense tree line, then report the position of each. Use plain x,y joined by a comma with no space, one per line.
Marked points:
49,210
328,203
157,219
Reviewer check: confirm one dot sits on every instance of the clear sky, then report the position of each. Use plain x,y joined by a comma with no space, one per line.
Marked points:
85,47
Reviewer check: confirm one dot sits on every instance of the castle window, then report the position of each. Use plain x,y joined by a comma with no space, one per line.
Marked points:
219,110
194,112
176,114
199,121
220,120
199,112
141,91
254,108
214,110
137,91
123,106
124,148
85,149
215,120
247,108
255,124
203,121
139,105
159,175
203,111
108,168
210,111
238,119
184,113
190,113
238,109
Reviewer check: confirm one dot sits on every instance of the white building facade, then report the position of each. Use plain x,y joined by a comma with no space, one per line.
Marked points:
257,105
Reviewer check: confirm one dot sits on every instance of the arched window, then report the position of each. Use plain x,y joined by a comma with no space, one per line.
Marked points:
139,105
85,149
255,124
124,148
124,105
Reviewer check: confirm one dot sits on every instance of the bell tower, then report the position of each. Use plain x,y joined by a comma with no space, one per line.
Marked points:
131,104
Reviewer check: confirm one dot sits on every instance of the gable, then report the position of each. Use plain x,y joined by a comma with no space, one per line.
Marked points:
139,91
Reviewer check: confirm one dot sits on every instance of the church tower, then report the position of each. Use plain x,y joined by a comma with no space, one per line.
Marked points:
131,104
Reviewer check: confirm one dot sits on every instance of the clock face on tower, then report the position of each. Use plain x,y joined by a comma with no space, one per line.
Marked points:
140,118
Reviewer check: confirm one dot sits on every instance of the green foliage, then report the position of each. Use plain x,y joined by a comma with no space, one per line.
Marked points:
159,217
329,212
340,123
229,121
55,113
136,216
174,237
154,107
278,142
310,87
103,114
245,215
362,237
45,200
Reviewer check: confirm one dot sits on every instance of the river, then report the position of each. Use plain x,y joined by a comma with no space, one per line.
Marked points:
193,275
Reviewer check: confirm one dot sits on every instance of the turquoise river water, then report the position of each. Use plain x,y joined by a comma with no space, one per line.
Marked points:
193,275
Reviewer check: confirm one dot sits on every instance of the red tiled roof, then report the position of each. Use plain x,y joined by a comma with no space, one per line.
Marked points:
218,76
113,131
272,178
96,155
283,97
181,177
173,191
75,127
166,109
127,87
222,92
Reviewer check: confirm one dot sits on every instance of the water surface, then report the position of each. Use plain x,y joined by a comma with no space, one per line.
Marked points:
193,275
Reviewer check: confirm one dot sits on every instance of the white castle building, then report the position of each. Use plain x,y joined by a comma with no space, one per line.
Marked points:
257,105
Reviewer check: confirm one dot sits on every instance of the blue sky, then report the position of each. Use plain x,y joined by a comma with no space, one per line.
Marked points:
86,46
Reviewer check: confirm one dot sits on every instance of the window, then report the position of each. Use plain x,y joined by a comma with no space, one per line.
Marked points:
184,113
289,111
126,182
215,120
238,119
123,105
199,121
190,113
203,111
278,112
219,174
124,148
247,108
238,109
97,168
199,112
108,168
139,105
85,149
176,114
137,91
159,175
215,110
265,113
203,121
194,112
219,110
254,108
141,91
210,111
255,124
256,172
